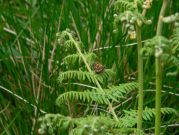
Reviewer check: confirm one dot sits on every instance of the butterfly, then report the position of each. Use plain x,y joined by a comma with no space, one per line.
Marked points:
98,68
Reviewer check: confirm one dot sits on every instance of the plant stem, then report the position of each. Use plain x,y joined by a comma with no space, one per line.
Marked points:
159,72
89,69
158,95
161,15
140,81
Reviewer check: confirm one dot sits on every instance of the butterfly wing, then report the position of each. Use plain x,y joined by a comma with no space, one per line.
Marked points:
98,68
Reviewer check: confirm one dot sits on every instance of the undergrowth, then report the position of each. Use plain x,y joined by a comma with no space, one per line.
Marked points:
90,70
91,119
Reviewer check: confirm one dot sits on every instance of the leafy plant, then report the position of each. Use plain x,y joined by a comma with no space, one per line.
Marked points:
87,121
35,69
101,96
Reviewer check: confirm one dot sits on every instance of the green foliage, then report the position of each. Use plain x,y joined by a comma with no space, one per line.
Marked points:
175,39
53,123
98,96
80,75
91,123
172,58
159,43
73,58
84,75
101,125
121,5
31,61
168,49
129,14
114,93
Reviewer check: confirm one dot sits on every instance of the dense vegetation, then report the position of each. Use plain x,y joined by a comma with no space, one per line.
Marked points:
89,67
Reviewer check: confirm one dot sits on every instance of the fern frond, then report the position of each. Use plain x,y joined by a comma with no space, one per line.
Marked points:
79,75
84,75
128,120
175,61
85,96
106,74
123,5
175,43
129,19
51,123
114,93
55,123
120,92
167,110
103,125
95,125
73,58
130,117
175,37
63,39
149,113
172,59
150,45
122,88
